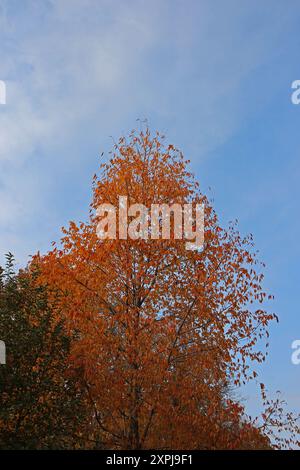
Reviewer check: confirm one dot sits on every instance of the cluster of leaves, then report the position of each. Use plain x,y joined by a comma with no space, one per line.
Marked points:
40,400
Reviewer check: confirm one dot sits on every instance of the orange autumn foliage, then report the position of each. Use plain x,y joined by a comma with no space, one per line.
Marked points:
163,332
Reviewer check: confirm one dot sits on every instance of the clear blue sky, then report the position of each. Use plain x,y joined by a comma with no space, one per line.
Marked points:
215,76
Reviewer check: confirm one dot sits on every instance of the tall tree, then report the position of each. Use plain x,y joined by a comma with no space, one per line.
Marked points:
163,331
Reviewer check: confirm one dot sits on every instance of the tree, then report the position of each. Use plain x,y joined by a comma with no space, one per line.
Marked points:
163,331
40,402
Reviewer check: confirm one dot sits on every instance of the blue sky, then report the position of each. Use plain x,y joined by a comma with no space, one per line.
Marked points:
214,76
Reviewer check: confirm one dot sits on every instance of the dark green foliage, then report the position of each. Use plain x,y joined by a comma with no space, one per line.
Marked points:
40,400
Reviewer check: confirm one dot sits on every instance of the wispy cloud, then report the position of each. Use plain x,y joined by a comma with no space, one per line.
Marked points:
73,65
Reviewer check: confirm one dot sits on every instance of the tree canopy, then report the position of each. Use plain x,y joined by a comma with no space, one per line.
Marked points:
163,333
41,404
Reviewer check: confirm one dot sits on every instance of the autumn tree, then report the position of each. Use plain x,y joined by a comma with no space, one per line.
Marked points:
41,404
163,331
